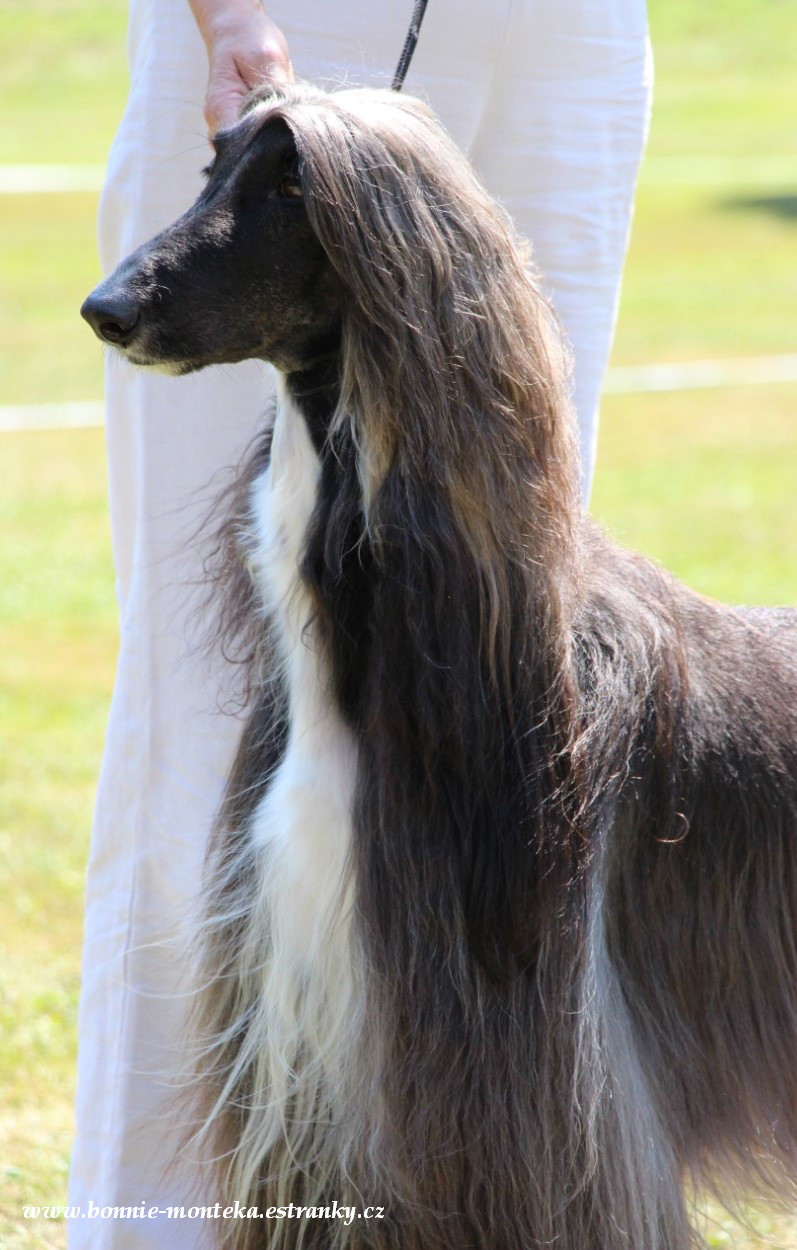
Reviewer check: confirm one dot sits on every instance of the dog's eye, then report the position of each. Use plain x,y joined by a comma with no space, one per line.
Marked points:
291,187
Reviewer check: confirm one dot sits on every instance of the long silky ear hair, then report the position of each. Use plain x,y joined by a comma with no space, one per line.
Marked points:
453,389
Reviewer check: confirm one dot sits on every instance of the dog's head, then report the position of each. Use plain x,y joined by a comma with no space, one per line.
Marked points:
241,274
314,203
347,228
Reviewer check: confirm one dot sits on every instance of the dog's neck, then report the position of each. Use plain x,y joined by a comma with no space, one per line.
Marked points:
316,390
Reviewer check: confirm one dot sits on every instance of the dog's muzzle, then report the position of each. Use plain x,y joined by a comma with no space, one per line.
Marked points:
113,316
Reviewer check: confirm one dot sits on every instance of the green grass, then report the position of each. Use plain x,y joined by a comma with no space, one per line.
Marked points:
724,78
63,82
48,264
64,79
57,647
707,276
704,481
709,271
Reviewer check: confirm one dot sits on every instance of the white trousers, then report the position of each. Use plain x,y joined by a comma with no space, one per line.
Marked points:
550,98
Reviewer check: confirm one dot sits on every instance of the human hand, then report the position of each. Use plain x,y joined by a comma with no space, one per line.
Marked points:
245,49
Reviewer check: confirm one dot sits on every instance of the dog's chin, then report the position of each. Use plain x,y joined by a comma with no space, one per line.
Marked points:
174,368
285,356
170,367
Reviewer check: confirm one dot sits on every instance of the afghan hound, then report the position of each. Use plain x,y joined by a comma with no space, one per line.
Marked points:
500,911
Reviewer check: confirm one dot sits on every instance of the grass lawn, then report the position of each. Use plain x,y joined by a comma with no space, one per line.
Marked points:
63,79
57,647
705,481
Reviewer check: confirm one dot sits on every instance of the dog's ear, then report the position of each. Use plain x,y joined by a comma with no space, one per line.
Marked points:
450,349
456,401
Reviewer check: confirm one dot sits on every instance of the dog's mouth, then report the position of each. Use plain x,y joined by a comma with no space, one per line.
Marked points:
160,364
177,366
121,323
140,355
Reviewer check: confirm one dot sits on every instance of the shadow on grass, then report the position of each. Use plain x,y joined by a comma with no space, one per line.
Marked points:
782,206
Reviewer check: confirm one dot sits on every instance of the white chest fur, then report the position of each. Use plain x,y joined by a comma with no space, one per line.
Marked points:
305,818
301,829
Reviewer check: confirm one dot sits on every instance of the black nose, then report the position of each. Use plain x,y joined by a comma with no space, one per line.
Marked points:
113,317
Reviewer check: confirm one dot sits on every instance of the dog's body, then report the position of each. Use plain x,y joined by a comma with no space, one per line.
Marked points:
501,906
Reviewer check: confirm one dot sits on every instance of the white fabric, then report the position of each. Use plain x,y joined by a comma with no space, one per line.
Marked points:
550,97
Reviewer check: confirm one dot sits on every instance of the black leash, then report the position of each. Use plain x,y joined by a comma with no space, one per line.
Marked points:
409,45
